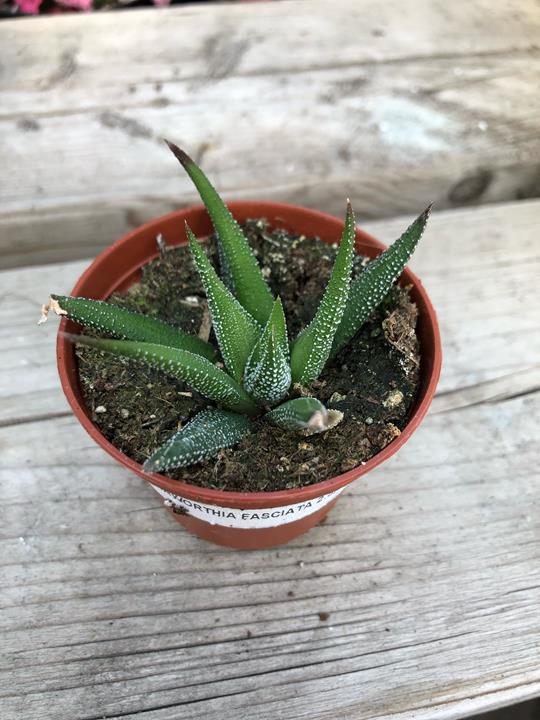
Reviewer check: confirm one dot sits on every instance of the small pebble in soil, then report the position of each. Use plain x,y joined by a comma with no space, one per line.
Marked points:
393,399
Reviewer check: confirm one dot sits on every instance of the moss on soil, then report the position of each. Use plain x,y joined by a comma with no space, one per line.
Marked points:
373,380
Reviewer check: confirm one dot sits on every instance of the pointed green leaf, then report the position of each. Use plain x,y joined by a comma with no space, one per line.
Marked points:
193,369
306,414
249,284
372,285
236,331
312,347
128,325
268,376
224,268
209,432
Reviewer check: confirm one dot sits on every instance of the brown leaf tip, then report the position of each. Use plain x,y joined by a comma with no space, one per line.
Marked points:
182,157
427,212
53,304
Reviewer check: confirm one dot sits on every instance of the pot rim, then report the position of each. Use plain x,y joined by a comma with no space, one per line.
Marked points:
66,362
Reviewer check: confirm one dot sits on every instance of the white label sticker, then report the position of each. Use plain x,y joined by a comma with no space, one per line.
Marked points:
249,517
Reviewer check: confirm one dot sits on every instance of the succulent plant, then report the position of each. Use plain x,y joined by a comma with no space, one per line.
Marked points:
260,374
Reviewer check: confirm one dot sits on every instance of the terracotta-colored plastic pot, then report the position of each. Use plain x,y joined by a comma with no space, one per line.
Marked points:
235,519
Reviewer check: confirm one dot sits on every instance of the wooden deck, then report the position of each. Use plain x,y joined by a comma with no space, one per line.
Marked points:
418,598
307,101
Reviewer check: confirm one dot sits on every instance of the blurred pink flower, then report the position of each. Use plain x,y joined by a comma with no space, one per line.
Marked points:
29,7
161,3
78,4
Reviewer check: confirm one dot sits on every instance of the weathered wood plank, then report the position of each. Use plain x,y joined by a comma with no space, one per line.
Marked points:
480,266
372,104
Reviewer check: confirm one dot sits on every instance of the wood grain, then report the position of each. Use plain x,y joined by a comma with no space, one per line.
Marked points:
310,102
428,567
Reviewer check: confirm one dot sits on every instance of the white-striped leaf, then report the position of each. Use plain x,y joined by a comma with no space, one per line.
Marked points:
267,376
129,325
236,331
312,347
249,284
371,286
203,437
196,371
